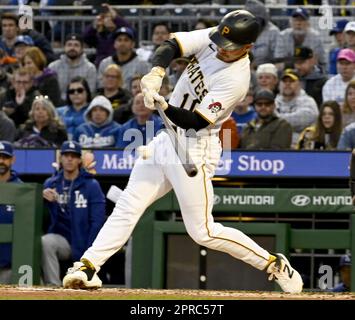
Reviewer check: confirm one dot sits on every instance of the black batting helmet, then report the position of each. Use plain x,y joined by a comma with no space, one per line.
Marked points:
237,28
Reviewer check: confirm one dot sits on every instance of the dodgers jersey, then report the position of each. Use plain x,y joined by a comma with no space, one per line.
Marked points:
208,85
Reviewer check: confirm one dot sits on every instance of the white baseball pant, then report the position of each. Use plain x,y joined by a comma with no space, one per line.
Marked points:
153,178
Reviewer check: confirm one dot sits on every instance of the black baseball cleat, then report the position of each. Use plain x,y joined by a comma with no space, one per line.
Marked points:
82,276
287,278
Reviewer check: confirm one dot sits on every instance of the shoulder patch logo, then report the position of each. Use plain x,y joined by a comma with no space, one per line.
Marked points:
215,107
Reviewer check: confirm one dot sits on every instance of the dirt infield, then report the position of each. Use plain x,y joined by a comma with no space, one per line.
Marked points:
41,293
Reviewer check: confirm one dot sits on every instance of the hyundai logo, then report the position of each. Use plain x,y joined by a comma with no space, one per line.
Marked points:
216,199
300,200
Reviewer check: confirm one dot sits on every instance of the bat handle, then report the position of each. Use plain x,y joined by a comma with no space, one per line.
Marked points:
190,169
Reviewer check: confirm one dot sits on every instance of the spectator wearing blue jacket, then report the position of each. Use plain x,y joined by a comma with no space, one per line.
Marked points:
347,138
78,99
76,206
7,175
99,130
141,128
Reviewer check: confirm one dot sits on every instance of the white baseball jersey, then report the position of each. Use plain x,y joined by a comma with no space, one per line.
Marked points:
208,85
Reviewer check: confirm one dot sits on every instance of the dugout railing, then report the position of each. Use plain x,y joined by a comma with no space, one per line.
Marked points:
150,248
26,230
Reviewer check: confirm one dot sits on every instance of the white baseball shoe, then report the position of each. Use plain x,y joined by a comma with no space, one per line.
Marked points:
82,276
287,278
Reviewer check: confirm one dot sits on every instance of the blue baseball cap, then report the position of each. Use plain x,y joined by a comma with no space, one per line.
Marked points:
345,260
125,30
27,40
70,147
301,12
6,148
339,27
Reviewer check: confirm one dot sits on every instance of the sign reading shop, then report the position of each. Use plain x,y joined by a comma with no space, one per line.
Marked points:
232,164
284,164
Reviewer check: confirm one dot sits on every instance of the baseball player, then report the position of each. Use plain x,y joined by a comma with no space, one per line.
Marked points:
216,78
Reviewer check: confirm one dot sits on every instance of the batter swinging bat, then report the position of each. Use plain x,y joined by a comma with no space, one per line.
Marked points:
189,167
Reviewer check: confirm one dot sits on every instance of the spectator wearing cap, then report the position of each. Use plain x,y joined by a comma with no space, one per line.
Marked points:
99,129
7,127
338,44
311,77
43,128
267,77
101,34
244,111
345,274
112,82
73,63
325,134
41,42
264,47
125,57
299,34
267,131
44,79
294,104
76,206
334,88
7,175
21,45
349,31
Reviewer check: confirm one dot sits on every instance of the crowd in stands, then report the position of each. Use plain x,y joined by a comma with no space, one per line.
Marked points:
300,97
46,99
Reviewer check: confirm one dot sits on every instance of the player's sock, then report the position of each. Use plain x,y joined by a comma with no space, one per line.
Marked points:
88,268
272,258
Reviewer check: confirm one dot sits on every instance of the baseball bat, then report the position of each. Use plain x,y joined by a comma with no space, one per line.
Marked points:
189,167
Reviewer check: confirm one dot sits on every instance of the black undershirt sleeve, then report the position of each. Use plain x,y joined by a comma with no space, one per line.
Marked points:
165,53
186,119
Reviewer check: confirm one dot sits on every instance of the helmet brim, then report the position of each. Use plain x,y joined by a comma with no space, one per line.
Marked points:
223,42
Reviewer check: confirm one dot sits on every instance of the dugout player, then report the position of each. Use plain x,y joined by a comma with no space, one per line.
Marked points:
216,78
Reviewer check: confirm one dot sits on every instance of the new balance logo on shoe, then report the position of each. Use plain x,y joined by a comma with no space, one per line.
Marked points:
285,276
289,271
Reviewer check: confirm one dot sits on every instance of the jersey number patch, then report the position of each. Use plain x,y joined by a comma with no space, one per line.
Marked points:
193,104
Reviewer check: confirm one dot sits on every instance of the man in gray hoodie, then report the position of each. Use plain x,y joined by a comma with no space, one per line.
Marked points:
73,63
294,105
